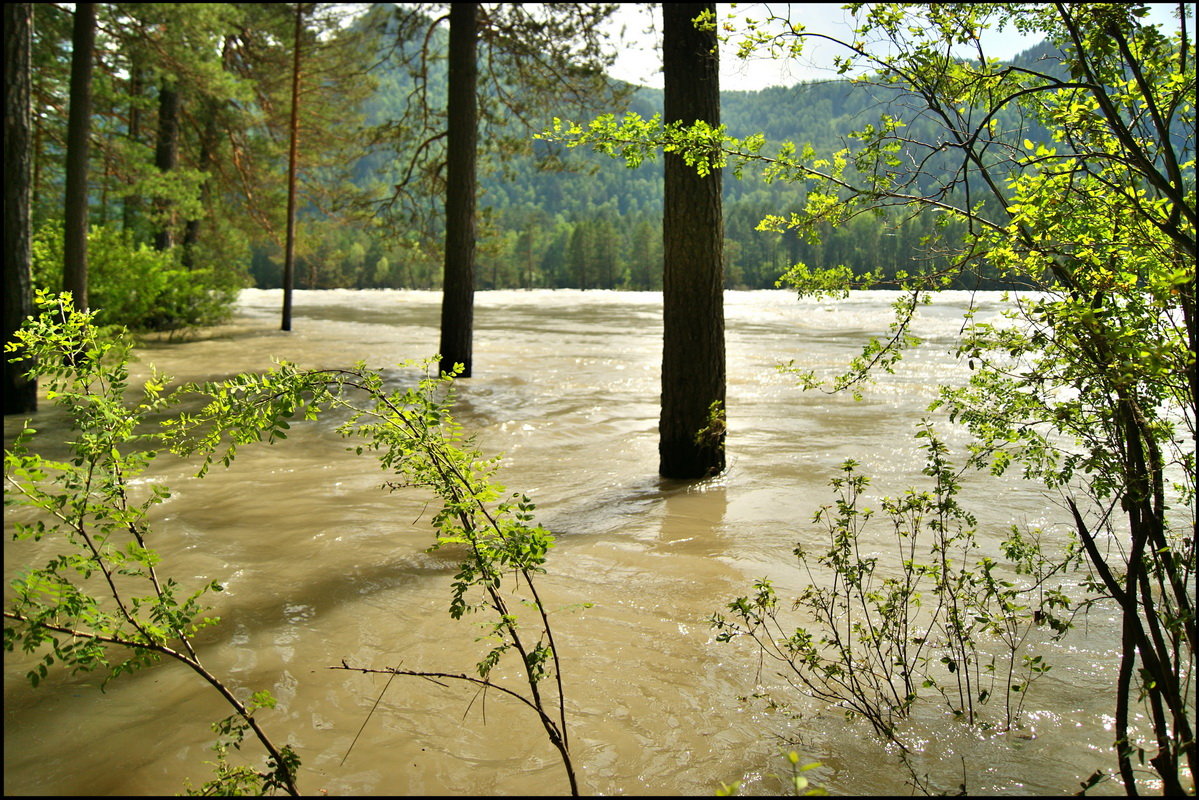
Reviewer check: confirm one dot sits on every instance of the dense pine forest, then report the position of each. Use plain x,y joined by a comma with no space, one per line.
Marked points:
553,219
190,147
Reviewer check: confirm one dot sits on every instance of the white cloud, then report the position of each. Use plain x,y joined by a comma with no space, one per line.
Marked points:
640,60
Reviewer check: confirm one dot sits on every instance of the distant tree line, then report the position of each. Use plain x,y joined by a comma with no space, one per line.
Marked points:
189,141
551,219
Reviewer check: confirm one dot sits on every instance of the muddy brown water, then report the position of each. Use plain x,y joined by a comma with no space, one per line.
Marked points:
321,565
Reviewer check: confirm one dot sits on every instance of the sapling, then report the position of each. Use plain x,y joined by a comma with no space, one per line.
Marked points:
89,508
413,435
103,600
876,631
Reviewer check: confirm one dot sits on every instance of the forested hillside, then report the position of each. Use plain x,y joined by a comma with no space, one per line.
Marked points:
552,219
190,134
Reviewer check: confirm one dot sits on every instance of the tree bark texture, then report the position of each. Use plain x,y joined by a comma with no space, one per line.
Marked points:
79,122
166,158
293,155
20,393
693,356
458,286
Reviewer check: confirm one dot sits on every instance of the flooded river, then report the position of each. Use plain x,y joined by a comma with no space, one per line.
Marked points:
321,565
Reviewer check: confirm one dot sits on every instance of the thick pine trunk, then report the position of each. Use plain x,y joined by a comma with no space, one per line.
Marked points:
289,250
166,158
693,360
458,287
20,393
83,42
207,163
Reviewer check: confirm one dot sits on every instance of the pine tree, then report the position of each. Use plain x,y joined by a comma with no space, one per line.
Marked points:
20,393
83,43
458,285
691,431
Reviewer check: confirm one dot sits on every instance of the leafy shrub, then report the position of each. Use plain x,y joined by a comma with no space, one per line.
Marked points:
62,614
135,285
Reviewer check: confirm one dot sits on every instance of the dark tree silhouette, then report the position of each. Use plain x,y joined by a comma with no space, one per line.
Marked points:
166,158
458,288
693,361
293,152
83,44
20,393
522,58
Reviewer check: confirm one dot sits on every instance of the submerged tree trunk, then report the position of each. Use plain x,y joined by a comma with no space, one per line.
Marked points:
289,253
79,121
691,430
458,286
20,393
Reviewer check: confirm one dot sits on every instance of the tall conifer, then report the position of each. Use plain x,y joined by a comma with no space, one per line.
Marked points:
691,429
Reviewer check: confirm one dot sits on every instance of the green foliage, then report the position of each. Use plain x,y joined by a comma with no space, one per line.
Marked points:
413,435
934,617
712,433
90,506
1071,174
102,601
878,353
371,145
227,65
796,784
134,285
530,198
242,780
88,503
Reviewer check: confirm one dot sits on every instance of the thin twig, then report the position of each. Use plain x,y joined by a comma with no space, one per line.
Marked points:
368,715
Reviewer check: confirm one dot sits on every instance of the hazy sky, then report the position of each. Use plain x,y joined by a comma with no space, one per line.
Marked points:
640,63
